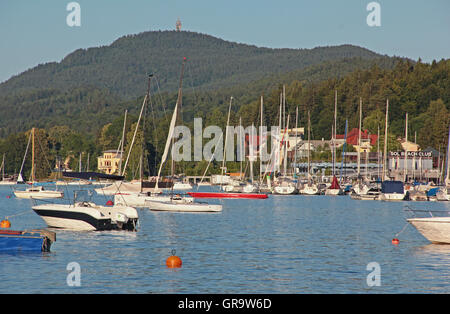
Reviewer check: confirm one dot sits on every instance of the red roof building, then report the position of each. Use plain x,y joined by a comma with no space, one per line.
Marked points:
352,137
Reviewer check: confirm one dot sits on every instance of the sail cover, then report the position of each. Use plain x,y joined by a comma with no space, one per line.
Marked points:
91,175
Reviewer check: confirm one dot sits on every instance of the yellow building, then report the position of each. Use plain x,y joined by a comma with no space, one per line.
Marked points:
109,162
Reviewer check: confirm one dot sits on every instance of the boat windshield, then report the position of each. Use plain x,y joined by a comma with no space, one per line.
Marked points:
82,196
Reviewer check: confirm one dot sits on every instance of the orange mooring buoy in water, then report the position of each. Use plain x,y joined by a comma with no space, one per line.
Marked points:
173,261
395,241
5,224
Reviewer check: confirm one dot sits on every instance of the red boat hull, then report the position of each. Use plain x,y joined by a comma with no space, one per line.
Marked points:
227,195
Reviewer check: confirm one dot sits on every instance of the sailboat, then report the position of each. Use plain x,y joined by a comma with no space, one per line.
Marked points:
310,188
37,192
284,185
178,203
4,181
335,188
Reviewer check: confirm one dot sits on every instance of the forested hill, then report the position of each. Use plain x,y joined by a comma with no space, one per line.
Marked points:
122,66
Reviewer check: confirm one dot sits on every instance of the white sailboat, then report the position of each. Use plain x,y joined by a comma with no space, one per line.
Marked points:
5,181
37,192
182,203
310,188
284,185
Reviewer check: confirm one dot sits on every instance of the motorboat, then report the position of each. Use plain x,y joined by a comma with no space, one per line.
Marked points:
38,192
182,204
393,191
435,229
85,215
139,199
88,216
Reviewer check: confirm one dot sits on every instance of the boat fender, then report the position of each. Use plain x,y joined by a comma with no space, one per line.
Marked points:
5,224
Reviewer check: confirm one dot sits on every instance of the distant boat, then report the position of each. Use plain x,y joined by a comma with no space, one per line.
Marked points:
335,188
182,204
37,192
285,186
182,186
227,195
5,181
309,189
393,191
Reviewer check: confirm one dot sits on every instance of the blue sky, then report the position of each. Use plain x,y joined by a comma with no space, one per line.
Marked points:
34,32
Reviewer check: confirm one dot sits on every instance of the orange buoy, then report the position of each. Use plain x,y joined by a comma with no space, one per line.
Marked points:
109,203
5,224
395,241
173,261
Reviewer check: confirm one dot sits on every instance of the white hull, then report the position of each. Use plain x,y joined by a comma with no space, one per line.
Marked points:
309,190
249,188
435,229
86,216
333,192
284,190
38,194
392,196
79,182
8,183
181,206
139,199
182,186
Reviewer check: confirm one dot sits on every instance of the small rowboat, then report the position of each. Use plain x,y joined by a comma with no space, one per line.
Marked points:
26,241
227,195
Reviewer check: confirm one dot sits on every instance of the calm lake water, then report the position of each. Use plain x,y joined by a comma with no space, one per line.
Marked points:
284,244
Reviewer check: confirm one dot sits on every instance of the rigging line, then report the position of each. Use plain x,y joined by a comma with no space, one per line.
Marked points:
43,152
192,83
160,97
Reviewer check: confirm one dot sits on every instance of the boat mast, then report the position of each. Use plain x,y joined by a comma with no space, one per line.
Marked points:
261,141
295,146
32,156
334,132
122,142
226,136
179,103
385,141
406,149
447,172
3,168
359,138
309,145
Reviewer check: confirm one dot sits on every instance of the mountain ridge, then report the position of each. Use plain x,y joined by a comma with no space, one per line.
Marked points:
121,66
